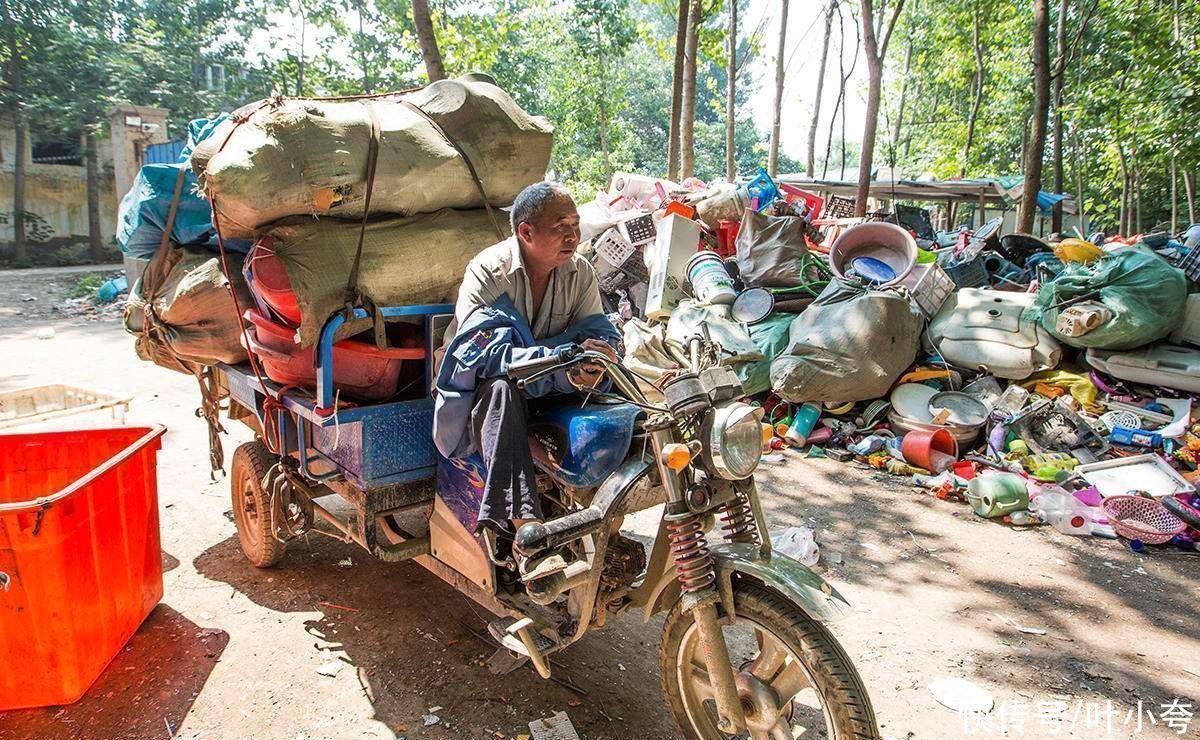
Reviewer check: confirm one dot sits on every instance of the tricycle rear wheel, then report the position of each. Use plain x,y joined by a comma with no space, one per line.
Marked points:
252,505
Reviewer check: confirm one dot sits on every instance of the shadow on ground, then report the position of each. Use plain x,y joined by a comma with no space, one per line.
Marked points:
146,691
409,636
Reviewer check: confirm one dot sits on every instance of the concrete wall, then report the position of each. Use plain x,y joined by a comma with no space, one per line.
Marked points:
56,194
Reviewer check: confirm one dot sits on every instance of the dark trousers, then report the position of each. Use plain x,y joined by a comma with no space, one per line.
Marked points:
499,428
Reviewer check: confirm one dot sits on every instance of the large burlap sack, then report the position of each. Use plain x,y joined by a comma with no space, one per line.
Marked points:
405,261
851,344
297,156
772,252
182,312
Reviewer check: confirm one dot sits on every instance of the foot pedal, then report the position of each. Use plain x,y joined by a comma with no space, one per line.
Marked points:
519,636
533,569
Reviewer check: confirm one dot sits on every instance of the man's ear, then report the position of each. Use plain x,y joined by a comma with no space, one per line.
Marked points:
525,232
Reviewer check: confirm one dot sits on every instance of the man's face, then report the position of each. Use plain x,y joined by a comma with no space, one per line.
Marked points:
553,237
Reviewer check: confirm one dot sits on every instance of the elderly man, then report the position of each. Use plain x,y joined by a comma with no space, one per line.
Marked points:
527,297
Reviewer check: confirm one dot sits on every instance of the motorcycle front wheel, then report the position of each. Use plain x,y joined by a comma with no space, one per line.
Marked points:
793,678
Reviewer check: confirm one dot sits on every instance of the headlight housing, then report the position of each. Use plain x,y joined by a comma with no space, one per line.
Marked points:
735,441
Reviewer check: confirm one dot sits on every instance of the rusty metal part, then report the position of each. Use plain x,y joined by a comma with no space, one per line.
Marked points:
689,551
737,520
730,717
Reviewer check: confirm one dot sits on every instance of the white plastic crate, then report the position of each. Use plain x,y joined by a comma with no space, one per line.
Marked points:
930,286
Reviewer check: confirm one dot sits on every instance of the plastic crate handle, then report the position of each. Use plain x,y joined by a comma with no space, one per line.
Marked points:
45,502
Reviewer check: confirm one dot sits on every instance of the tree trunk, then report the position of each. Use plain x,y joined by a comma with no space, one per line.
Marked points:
1137,195
903,94
687,113
973,116
773,153
1060,46
602,111
816,117
362,54
92,171
876,48
1080,207
681,31
300,62
13,75
1174,197
429,48
1041,106
730,94
844,79
1190,193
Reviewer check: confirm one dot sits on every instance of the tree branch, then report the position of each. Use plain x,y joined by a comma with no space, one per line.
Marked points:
891,25
1063,62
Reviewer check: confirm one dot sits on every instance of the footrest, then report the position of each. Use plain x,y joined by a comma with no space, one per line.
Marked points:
519,636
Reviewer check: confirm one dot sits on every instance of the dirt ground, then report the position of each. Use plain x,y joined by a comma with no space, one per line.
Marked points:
1070,636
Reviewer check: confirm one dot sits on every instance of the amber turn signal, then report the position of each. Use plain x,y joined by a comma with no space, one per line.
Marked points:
676,456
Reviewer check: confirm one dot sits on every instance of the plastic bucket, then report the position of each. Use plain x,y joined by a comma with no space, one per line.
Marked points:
883,242
710,280
933,450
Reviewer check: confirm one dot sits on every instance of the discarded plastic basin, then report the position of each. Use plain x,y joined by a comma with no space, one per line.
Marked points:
887,243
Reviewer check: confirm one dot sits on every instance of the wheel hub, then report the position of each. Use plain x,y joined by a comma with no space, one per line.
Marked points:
760,703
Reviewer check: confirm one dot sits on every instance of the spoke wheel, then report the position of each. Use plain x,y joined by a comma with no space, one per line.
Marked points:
793,679
251,505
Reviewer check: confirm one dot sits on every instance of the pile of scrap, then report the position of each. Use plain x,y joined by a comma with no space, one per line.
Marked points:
1041,382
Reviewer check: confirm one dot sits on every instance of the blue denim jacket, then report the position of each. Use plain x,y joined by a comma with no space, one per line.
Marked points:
488,341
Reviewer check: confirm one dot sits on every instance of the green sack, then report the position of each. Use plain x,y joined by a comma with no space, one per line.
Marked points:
1145,294
771,337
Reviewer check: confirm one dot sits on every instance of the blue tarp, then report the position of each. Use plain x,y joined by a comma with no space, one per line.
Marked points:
142,215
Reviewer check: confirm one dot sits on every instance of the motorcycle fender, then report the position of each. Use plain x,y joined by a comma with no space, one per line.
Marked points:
779,573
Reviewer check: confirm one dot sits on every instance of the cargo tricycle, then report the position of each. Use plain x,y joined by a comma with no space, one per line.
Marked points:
745,649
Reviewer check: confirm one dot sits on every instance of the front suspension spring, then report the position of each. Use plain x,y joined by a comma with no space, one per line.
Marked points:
737,521
693,563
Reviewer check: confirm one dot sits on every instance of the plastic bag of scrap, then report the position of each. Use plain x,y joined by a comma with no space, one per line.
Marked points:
1144,294
714,322
771,336
851,344
772,253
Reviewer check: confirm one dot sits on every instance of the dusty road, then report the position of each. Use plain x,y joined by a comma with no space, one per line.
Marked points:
1070,636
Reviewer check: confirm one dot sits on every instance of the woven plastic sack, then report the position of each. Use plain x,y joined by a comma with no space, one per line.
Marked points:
142,214
1145,294
771,336
771,251
851,344
404,260
182,313
296,156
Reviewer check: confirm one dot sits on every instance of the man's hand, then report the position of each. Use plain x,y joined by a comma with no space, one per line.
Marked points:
587,374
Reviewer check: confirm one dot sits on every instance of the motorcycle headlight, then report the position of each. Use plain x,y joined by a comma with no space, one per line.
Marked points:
735,440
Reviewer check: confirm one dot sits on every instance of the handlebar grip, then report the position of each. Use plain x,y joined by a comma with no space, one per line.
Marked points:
529,368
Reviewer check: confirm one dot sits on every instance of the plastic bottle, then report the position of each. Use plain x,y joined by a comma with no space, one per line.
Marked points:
802,424
1138,437
1024,518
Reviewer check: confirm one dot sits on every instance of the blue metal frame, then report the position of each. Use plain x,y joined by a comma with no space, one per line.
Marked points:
324,353
372,446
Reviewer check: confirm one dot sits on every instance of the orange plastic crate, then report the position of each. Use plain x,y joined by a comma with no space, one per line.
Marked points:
80,560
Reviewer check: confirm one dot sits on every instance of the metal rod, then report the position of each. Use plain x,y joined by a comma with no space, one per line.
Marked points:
720,669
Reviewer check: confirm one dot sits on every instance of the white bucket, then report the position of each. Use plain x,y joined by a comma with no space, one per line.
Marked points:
710,280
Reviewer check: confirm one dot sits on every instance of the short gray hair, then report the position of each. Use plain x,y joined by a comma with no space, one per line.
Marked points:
531,202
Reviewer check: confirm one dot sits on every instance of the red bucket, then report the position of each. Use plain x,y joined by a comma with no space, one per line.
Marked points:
934,450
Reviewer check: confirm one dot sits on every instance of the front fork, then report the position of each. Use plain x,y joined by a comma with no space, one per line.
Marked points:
741,521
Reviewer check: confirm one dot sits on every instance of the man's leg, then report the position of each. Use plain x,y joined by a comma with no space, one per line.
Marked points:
500,432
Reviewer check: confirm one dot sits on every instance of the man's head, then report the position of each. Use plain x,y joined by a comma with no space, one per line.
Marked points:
546,223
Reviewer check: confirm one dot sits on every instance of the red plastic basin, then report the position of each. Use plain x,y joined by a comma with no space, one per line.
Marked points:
80,559
359,369
270,281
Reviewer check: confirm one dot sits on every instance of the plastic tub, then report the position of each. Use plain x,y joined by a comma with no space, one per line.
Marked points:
80,559
271,282
359,369
877,240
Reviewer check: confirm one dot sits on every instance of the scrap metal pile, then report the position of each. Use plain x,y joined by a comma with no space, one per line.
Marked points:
1041,382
